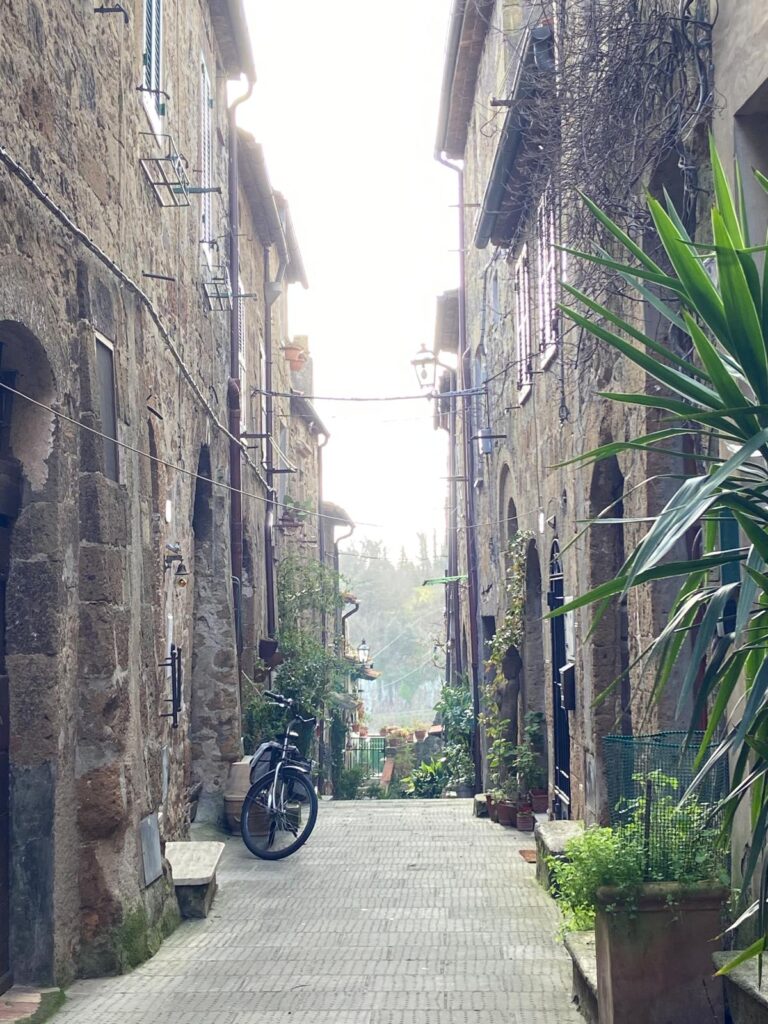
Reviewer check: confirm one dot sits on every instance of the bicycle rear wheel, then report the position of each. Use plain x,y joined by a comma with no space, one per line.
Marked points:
276,831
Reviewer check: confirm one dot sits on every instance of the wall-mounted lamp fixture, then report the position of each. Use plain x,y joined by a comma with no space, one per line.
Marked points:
181,574
363,651
425,365
172,554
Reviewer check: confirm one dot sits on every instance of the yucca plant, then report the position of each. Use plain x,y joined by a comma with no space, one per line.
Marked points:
721,396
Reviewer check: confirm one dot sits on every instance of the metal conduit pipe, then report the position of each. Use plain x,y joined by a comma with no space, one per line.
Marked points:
233,387
465,382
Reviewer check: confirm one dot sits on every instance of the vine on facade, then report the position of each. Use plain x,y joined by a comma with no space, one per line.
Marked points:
510,632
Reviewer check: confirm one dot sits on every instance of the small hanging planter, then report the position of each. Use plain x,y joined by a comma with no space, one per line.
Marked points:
295,355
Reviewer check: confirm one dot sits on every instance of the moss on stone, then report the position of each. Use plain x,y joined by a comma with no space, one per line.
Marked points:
50,1003
132,942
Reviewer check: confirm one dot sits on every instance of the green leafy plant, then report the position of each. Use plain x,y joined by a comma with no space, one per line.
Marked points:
717,399
510,631
526,763
350,783
459,765
455,709
660,841
427,780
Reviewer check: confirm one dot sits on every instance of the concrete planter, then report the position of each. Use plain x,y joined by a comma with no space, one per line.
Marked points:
238,785
654,958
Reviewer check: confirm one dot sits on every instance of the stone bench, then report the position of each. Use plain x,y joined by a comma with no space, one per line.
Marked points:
746,1002
193,866
581,946
551,837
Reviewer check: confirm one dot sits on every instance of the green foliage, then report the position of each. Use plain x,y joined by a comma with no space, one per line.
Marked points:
373,791
401,619
600,856
718,399
510,631
661,841
458,761
428,780
453,768
526,764
350,783
305,586
455,709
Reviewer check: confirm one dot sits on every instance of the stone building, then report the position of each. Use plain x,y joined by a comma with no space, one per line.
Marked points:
144,264
519,80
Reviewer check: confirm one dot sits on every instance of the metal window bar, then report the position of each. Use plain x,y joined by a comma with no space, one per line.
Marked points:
167,174
175,700
217,288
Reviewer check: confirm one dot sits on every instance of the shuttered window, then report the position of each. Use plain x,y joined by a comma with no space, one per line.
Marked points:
105,367
547,274
523,323
242,362
207,227
153,31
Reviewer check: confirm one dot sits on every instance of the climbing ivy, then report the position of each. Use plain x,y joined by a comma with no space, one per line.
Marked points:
510,632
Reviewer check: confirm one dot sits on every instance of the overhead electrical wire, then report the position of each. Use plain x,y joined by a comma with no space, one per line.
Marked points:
169,465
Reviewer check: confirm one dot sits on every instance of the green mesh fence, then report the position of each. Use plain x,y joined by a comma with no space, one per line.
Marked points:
646,778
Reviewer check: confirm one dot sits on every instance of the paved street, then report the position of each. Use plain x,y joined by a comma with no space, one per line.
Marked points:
396,912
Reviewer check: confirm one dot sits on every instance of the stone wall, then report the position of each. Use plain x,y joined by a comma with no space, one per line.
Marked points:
91,605
523,483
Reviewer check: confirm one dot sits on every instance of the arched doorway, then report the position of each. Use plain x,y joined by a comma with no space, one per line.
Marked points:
27,772
561,731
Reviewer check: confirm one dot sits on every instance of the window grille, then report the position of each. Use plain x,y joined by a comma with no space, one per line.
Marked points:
523,347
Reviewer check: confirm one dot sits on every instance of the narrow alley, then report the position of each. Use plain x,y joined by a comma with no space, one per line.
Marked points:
396,912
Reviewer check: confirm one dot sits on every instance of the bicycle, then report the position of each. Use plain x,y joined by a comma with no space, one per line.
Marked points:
280,809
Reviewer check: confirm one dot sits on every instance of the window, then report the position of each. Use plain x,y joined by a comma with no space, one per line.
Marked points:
105,368
522,289
496,316
245,401
153,66
547,270
207,229
263,400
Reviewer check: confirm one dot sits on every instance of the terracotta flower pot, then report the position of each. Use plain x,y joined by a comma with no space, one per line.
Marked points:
420,734
540,801
507,813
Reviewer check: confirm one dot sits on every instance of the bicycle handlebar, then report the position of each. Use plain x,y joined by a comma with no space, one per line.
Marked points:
288,702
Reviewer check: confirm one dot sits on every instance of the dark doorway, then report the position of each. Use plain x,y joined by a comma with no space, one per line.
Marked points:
10,496
561,804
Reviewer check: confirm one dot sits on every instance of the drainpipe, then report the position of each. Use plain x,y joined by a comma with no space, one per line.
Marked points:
233,386
272,290
465,382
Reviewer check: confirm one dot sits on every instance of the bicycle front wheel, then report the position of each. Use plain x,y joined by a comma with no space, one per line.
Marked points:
278,818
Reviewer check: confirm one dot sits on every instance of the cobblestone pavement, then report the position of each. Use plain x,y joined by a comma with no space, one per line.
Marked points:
395,912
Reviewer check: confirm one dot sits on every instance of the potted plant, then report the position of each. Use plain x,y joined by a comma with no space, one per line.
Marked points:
652,889
526,764
537,775
507,812
460,769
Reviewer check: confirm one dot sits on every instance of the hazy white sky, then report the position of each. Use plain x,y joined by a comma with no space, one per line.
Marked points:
346,107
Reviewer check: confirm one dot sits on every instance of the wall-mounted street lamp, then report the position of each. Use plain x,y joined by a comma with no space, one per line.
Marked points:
424,364
363,651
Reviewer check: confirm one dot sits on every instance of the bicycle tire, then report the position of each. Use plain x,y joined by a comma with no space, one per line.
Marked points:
265,832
